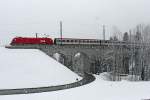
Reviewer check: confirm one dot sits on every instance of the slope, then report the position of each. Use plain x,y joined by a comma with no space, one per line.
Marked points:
31,68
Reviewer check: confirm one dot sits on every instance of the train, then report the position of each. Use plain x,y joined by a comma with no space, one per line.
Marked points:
62,41
31,40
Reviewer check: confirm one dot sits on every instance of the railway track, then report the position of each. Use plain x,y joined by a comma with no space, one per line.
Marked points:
88,78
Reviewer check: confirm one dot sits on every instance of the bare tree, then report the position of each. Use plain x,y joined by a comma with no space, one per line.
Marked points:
126,36
116,32
146,33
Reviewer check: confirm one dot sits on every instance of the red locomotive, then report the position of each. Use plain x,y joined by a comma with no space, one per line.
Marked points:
28,40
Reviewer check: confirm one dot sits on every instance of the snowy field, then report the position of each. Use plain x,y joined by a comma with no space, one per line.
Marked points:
31,68
98,90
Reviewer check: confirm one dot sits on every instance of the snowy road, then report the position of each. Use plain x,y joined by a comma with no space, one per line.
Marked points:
88,78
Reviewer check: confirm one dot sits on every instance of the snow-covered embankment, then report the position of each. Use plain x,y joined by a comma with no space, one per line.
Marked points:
28,68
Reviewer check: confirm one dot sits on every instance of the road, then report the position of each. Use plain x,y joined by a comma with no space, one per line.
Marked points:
88,78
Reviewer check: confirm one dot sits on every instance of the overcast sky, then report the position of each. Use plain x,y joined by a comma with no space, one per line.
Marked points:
81,18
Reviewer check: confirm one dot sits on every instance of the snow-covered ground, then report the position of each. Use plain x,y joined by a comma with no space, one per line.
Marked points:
43,71
98,90
20,68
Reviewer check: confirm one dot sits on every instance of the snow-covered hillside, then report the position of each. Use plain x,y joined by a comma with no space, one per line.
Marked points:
20,68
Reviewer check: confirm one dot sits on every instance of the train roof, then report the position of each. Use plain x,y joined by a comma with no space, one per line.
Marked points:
33,37
77,39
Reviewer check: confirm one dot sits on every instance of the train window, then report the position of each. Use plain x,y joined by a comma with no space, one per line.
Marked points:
67,40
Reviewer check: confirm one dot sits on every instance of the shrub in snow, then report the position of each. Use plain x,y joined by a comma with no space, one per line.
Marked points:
109,77
133,78
106,76
81,63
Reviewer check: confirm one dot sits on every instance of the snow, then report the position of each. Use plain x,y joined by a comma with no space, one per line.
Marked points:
106,90
56,56
77,55
97,90
20,68
32,68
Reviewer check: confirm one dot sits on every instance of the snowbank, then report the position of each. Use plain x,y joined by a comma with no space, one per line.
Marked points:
20,68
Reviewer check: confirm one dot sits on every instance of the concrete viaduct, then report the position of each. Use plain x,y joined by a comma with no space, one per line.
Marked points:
88,53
